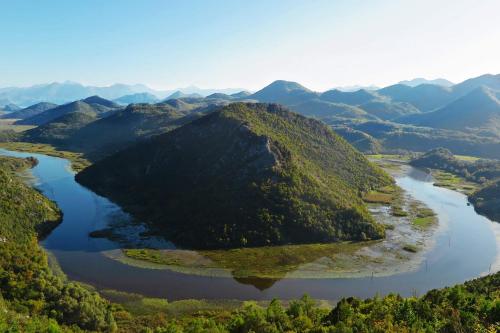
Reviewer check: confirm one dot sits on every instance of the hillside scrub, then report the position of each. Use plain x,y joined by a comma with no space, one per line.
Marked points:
247,175
470,307
27,285
485,173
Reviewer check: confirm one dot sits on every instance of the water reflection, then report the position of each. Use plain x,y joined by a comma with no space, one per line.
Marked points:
465,247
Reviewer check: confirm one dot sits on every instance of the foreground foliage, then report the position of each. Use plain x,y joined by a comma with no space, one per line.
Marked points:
27,286
471,307
33,299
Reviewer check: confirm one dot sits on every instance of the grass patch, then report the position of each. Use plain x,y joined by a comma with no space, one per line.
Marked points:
139,305
398,211
424,222
378,197
453,182
384,195
271,262
411,248
78,161
466,158
389,156
425,212
8,125
420,215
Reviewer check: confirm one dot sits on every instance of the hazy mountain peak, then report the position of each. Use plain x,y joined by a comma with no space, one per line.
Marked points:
137,98
358,97
479,109
219,96
10,107
286,85
180,94
482,93
30,111
284,92
489,80
99,100
418,81
241,94
356,88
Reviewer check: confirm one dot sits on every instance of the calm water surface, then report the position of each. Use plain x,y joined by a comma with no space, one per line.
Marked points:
465,247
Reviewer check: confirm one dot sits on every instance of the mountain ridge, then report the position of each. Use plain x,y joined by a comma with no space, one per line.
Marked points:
479,109
241,180
91,104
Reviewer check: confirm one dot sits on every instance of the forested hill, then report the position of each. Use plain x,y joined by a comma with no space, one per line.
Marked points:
487,200
480,109
30,111
248,174
32,299
94,104
136,122
486,173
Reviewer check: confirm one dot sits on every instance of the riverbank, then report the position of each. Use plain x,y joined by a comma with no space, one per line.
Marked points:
409,228
78,161
452,257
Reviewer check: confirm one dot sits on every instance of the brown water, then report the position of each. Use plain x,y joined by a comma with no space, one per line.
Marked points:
465,247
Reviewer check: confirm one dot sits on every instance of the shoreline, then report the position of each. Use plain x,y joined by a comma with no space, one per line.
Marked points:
380,258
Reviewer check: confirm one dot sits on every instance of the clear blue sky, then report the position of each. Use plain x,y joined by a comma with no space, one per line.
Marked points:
321,44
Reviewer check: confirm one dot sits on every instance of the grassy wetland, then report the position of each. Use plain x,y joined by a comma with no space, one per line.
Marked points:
78,161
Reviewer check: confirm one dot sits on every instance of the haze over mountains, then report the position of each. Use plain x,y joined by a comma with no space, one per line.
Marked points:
419,81
30,111
91,105
137,98
463,118
479,109
64,92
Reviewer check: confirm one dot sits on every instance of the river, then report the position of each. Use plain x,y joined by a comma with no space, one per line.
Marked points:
466,246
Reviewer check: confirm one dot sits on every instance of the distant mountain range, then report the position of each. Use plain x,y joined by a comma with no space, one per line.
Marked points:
399,103
400,99
356,88
94,104
464,118
419,81
137,98
98,127
434,92
64,92
180,94
9,107
479,109
30,111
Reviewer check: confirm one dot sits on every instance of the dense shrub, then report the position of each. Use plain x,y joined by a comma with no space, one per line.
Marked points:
26,282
